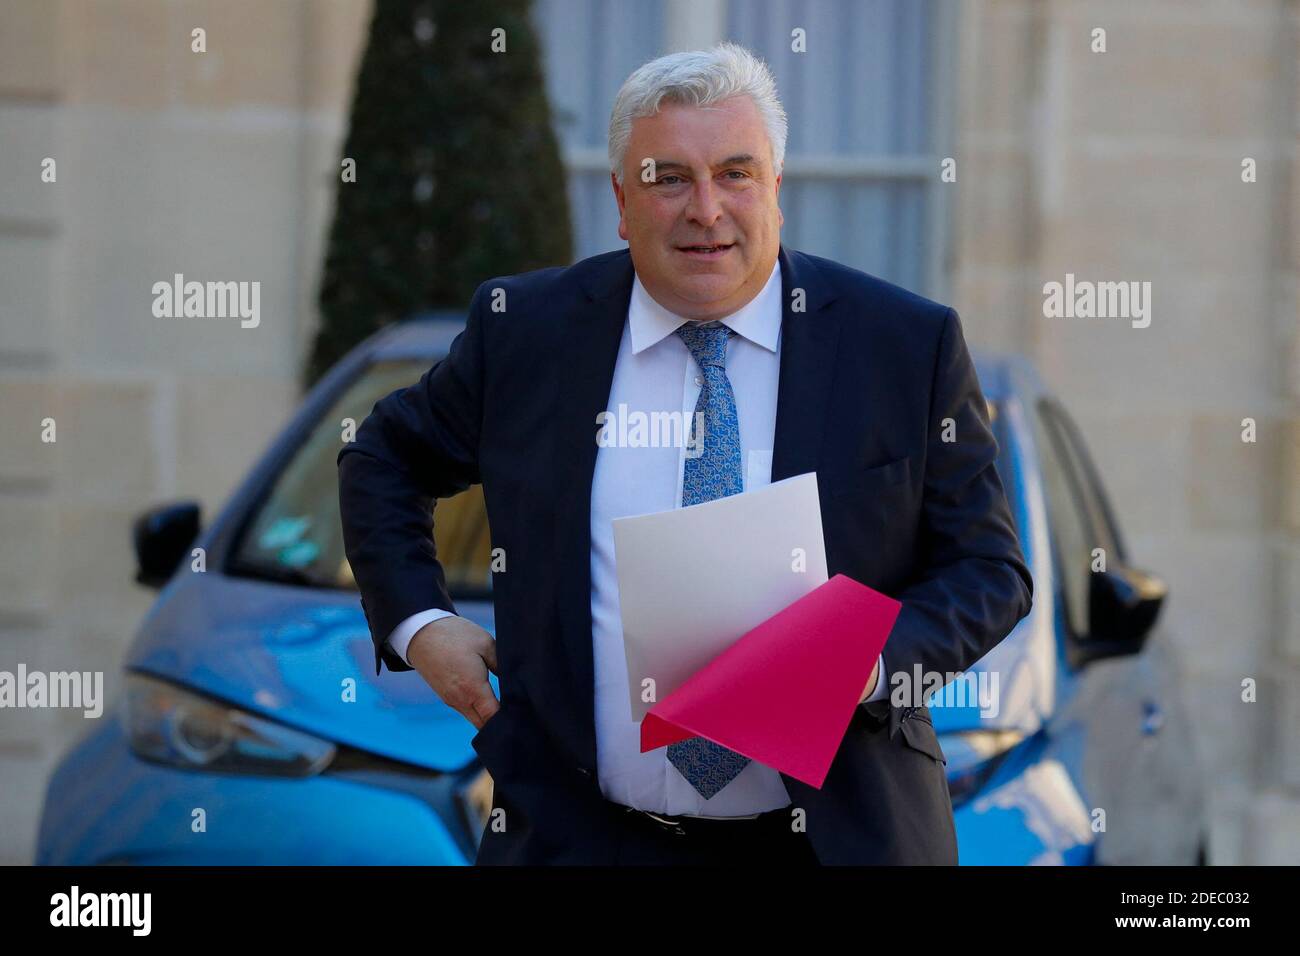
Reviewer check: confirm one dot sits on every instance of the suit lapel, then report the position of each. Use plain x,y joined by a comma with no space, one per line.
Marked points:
808,345
588,351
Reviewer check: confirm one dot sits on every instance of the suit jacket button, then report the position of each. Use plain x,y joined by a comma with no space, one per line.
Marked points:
584,771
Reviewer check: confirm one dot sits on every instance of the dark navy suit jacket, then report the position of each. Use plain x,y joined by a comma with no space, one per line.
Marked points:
869,374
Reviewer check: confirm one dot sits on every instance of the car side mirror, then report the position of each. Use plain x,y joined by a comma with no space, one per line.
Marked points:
1123,604
162,537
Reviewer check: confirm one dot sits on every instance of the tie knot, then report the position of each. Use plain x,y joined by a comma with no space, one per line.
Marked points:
707,342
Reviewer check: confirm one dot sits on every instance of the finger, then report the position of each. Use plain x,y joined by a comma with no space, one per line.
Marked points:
489,655
486,704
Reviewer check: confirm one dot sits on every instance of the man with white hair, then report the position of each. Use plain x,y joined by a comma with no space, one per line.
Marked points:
793,363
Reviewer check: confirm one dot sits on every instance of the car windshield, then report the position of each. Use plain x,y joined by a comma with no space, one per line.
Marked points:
295,534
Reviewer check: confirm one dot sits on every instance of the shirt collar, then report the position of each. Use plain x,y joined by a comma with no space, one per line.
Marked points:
758,320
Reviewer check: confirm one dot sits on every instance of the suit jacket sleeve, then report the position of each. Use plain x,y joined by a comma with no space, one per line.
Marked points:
973,585
418,443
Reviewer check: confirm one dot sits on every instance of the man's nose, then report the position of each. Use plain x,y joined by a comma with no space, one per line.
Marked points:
703,207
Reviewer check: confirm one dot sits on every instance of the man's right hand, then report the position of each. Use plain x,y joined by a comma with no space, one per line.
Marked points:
454,655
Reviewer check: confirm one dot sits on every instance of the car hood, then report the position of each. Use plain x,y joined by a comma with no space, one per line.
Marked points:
301,656
286,653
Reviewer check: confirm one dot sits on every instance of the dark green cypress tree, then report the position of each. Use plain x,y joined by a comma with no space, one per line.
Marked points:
458,172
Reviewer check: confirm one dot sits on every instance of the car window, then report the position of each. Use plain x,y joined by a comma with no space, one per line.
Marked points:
1089,488
1073,535
295,534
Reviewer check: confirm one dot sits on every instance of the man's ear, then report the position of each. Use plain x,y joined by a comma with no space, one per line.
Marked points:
621,198
780,217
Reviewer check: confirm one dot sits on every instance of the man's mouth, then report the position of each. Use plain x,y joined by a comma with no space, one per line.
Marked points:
706,252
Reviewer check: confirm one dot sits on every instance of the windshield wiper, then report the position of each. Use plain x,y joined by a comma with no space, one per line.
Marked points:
279,573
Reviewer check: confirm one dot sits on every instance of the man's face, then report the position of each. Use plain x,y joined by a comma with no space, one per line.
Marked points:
714,186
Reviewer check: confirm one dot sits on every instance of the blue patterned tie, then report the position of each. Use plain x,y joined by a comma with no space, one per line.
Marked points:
715,473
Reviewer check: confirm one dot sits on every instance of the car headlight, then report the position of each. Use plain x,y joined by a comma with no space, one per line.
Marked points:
170,725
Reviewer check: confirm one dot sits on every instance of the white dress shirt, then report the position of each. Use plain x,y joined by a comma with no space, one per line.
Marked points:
655,372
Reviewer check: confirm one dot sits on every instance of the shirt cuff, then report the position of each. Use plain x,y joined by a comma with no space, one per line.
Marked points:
882,689
400,639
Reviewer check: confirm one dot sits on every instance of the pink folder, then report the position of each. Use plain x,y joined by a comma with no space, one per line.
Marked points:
784,693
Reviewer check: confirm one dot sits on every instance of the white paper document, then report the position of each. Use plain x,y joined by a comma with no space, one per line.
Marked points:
693,580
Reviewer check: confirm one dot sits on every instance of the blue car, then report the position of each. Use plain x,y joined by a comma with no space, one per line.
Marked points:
253,729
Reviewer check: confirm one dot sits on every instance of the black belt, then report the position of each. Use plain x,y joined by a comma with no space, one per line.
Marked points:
708,826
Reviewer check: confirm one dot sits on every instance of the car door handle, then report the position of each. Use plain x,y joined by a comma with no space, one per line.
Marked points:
1153,718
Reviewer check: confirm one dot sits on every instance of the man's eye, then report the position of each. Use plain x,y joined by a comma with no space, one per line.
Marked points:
739,172
664,179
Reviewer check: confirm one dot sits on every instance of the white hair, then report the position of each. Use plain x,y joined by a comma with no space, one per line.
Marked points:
697,78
